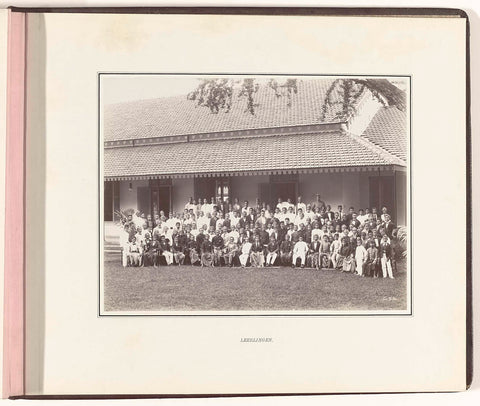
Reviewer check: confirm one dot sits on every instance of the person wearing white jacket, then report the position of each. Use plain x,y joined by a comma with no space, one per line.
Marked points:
125,244
300,250
360,257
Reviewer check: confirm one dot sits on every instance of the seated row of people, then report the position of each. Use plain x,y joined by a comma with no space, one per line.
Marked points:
346,253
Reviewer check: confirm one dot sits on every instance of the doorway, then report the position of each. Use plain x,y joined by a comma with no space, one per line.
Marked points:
111,200
284,191
161,200
382,193
270,192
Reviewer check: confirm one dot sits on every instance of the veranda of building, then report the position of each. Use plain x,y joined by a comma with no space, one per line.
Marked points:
160,152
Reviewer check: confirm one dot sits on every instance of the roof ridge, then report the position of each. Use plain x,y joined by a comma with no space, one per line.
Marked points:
302,129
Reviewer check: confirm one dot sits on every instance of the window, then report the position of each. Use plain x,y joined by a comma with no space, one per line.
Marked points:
222,189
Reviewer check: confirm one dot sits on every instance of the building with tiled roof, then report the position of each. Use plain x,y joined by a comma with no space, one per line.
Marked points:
388,130
177,115
160,152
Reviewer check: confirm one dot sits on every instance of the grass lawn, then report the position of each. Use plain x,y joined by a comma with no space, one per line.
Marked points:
183,288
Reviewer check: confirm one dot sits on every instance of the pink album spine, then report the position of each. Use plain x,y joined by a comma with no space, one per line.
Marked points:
14,293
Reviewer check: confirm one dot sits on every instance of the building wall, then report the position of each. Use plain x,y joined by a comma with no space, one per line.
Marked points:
364,189
328,185
345,188
401,197
182,190
247,187
351,190
400,213
128,198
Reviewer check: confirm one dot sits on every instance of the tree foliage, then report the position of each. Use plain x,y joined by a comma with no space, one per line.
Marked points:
341,98
402,242
216,94
340,101
286,89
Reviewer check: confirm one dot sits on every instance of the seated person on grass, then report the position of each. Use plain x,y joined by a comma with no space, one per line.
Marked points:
178,251
324,252
193,250
300,251
206,257
134,252
245,251
272,251
313,258
165,250
230,252
218,244
257,257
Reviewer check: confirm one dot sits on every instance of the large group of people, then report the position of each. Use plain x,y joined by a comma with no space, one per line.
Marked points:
223,233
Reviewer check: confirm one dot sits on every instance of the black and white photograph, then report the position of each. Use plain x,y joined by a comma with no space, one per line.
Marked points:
254,194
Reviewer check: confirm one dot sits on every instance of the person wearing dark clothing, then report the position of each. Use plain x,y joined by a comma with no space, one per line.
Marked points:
218,244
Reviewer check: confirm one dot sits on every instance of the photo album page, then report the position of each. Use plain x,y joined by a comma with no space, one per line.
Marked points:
245,203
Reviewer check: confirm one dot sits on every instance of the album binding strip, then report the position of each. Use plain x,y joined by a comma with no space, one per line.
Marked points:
14,296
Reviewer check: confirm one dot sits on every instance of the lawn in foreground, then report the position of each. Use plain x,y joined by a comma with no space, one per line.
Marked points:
183,288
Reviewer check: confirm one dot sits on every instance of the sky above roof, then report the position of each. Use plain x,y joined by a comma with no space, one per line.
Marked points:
119,88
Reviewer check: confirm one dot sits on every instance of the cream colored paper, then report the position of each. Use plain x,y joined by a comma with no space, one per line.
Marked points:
72,350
